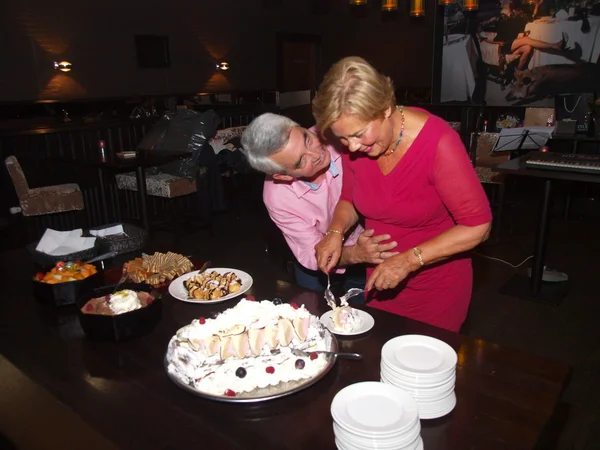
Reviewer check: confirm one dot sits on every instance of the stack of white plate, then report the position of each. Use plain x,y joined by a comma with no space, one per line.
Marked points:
424,367
375,415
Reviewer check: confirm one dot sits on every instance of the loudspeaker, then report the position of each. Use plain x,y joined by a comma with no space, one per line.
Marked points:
566,127
152,52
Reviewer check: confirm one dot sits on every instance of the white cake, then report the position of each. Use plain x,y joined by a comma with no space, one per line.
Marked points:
247,347
345,319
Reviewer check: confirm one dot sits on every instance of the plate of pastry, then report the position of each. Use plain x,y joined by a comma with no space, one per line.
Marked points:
211,286
157,269
347,321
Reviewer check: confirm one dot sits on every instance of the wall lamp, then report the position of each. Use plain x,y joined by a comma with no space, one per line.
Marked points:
223,65
63,66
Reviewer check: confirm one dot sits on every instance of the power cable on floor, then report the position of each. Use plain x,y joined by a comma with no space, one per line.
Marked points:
505,262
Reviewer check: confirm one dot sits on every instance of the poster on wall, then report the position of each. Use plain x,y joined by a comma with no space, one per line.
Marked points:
520,52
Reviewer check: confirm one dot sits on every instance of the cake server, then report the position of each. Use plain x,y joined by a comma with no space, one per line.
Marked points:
348,295
345,355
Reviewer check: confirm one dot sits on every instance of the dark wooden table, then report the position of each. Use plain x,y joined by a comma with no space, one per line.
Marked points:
534,288
143,160
505,398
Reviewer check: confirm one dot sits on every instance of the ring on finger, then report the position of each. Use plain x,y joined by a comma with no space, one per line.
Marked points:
388,284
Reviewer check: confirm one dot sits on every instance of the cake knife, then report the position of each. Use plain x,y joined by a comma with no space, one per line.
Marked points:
345,355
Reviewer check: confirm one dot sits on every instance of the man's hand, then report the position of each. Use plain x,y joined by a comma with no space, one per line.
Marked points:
370,249
329,251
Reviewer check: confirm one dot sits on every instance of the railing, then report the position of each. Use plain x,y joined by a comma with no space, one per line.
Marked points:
38,150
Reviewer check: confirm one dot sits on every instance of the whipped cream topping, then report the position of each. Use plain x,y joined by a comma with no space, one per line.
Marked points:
249,314
255,336
124,301
345,319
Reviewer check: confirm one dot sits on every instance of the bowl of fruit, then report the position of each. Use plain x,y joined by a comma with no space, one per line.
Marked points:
63,283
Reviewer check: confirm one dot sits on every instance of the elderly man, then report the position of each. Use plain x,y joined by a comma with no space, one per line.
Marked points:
302,187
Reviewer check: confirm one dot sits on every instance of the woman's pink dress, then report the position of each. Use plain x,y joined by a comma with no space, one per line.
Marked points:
432,188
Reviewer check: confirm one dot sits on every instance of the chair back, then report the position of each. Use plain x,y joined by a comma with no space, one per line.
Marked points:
18,177
538,117
490,53
456,126
481,146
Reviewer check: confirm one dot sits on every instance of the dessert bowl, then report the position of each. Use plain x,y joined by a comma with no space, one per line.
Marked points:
122,326
66,292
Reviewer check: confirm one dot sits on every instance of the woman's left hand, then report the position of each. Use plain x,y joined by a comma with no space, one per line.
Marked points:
392,271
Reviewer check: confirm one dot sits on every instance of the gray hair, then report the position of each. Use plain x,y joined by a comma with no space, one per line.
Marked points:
265,136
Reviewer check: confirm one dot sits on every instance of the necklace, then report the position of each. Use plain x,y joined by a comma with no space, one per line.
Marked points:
397,143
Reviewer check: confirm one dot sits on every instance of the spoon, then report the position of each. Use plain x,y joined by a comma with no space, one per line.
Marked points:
121,281
95,259
329,297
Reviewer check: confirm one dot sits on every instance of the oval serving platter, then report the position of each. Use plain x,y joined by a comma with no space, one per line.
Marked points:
270,392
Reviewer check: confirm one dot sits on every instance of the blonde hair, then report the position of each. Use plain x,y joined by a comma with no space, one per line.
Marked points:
352,86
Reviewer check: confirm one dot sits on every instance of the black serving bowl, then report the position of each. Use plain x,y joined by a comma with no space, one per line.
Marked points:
134,239
124,326
67,293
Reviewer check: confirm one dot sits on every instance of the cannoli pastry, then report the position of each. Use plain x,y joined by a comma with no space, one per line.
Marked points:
247,347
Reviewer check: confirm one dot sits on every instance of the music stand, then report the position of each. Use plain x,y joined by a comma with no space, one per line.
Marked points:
517,139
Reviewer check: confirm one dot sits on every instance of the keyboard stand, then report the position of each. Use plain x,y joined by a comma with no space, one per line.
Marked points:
535,288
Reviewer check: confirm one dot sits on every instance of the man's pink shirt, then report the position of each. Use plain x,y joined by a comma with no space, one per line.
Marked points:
303,214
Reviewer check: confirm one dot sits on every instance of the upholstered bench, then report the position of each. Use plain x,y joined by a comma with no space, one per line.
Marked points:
170,186
159,185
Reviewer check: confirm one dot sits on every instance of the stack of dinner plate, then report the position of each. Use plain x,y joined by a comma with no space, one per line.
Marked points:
375,415
425,368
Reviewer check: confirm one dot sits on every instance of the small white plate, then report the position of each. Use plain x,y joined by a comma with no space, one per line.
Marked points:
178,290
366,320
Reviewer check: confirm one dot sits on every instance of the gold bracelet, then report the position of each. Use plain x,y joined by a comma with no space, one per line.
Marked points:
335,231
417,253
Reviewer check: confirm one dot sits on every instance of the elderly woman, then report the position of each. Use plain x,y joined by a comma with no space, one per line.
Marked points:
409,174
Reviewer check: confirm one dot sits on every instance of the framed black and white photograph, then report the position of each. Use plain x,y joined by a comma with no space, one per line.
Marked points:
519,52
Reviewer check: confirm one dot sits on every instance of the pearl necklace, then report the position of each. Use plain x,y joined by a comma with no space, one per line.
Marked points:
400,136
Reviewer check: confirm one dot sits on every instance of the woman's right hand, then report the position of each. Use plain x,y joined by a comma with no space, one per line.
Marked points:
329,251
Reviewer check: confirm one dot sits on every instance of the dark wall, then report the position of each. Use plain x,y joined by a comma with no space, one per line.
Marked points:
97,37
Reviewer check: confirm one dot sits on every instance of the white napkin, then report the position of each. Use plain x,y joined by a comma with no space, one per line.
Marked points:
117,229
58,243
562,15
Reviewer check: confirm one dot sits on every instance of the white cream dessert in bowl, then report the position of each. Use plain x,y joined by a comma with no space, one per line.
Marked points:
345,319
124,301
249,347
120,302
